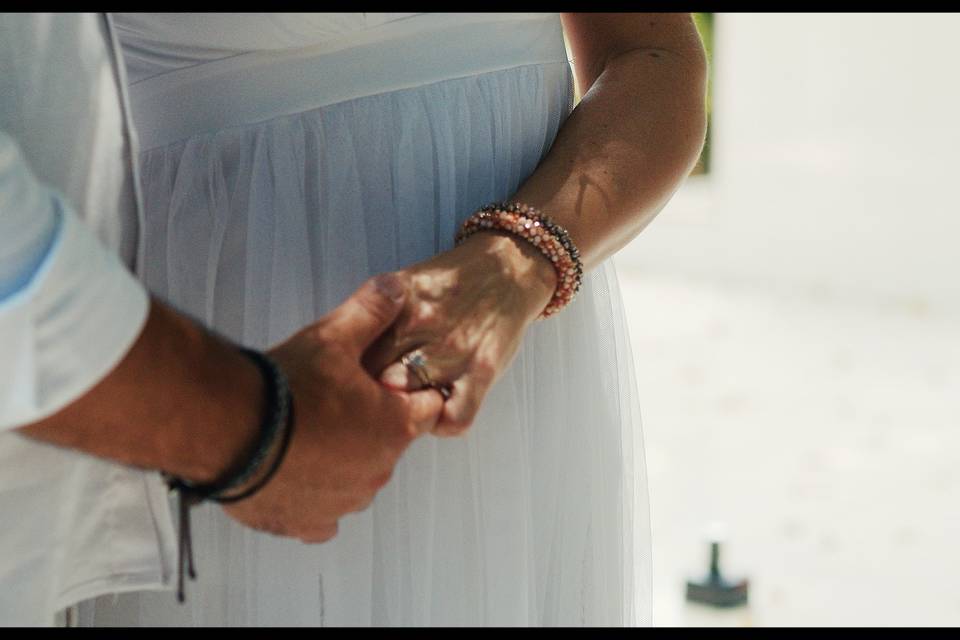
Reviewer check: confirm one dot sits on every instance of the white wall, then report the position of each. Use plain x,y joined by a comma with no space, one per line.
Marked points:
835,159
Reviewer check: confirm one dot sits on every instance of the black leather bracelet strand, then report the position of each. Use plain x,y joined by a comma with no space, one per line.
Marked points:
278,458
277,422
275,414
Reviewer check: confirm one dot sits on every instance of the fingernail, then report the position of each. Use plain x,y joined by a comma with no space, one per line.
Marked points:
390,285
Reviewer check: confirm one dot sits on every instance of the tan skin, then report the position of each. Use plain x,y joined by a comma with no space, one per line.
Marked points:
618,158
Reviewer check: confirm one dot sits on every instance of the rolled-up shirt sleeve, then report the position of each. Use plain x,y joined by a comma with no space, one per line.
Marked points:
69,308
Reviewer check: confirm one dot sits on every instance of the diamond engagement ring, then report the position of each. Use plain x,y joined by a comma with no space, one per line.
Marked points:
416,363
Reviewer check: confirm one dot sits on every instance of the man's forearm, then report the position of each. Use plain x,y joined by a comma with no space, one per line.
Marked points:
182,400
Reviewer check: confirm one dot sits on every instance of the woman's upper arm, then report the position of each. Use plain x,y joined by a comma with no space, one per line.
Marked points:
595,38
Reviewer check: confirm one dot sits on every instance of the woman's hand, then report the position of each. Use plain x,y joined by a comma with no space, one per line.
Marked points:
466,312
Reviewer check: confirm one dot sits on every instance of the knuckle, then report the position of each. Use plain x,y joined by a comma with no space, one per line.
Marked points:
453,343
425,314
461,340
462,428
458,426
321,331
407,433
362,502
459,421
379,482
422,319
356,501
471,406
271,526
484,371
326,533
376,303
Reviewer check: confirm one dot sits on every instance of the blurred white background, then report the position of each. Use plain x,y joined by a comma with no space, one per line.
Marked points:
795,318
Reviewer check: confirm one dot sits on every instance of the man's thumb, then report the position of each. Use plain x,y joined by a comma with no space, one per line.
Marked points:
369,311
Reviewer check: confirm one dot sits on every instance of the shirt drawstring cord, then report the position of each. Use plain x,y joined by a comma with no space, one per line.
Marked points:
185,546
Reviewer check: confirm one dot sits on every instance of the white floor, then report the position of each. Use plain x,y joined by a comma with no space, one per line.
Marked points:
825,435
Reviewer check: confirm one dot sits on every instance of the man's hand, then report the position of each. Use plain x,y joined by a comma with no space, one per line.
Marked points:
187,402
350,430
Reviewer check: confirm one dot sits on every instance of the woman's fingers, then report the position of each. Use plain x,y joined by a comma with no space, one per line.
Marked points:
397,376
435,364
426,407
460,410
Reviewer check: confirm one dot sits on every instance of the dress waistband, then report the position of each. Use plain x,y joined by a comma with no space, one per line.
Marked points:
260,85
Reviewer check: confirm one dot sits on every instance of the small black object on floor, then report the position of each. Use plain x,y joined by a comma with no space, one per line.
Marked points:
716,590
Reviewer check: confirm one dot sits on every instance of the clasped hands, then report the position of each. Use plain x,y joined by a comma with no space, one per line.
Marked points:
358,407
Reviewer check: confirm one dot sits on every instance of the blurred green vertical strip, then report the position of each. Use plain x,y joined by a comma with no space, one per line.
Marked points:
704,22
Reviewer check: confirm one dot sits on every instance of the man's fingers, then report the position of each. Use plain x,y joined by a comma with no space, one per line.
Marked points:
387,349
368,312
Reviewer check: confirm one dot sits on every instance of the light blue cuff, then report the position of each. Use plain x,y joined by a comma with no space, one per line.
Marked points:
38,264
68,327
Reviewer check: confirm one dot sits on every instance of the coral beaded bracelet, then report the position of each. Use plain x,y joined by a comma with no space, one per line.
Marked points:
548,237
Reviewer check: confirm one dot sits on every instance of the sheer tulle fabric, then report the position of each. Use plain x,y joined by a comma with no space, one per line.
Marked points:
539,515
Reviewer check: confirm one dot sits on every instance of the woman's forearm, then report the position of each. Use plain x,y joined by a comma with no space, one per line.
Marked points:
630,142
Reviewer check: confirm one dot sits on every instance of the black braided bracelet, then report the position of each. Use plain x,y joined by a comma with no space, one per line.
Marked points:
276,410
281,453
277,421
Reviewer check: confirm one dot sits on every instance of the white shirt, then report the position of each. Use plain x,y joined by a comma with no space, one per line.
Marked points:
74,527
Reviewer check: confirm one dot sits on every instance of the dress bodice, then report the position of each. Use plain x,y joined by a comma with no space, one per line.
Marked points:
158,42
201,73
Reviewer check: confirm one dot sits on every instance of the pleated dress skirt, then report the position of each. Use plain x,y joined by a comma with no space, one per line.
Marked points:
276,182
